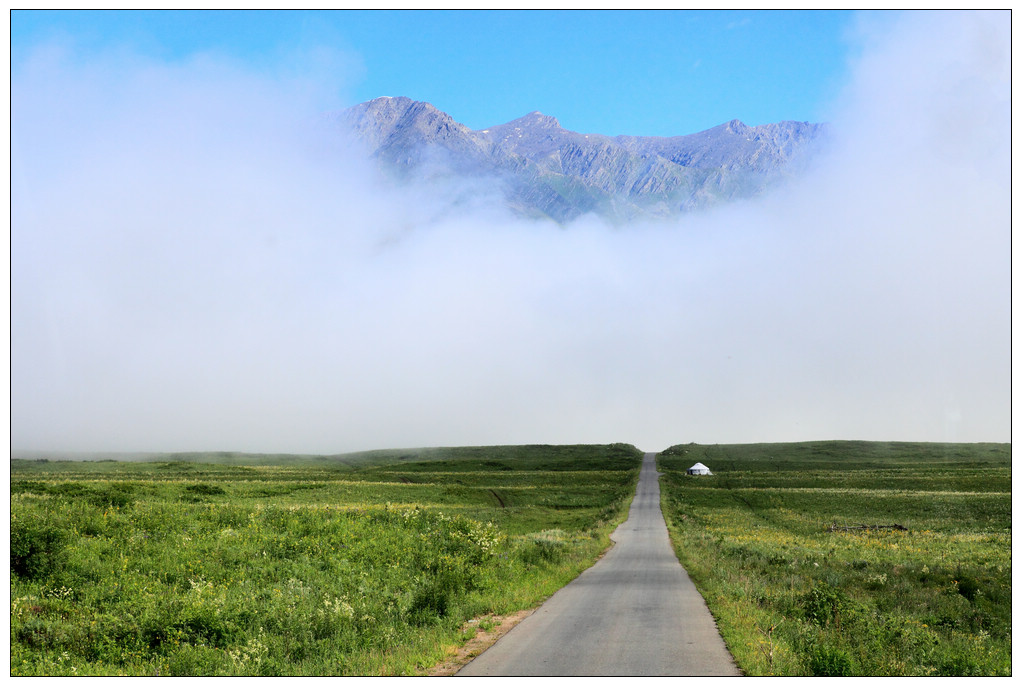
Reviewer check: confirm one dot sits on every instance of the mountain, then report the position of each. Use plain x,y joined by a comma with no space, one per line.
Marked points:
546,170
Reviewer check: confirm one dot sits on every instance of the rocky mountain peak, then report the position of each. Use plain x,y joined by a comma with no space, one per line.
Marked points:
546,170
536,120
735,126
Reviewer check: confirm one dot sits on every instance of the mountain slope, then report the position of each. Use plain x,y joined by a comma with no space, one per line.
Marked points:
546,170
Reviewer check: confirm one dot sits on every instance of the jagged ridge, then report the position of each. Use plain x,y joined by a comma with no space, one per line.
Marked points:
548,170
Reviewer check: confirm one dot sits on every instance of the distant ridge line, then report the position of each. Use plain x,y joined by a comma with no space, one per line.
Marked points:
544,170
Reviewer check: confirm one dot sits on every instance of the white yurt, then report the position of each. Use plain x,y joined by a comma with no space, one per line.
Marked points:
699,469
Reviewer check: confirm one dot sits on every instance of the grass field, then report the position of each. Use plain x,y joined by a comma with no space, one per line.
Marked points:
372,563
227,564
772,541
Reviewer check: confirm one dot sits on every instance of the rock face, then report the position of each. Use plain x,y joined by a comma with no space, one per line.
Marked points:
545,170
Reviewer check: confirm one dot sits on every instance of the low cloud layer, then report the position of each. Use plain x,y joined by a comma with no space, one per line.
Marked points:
199,264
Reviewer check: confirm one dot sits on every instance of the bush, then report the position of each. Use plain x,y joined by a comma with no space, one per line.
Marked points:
825,661
191,660
204,489
113,497
967,587
430,602
37,549
34,487
35,633
543,547
824,605
959,665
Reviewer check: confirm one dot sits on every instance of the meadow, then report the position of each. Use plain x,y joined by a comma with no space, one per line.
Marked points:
849,558
230,564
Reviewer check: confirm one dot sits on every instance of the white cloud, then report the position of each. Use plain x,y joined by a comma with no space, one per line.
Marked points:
197,266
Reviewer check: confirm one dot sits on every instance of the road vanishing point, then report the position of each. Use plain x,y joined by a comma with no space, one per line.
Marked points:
634,613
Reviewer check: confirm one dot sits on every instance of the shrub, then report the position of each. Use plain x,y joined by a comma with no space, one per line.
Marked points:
959,665
205,625
191,660
34,633
430,602
34,487
824,605
967,587
204,489
826,661
543,547
114,497
37,549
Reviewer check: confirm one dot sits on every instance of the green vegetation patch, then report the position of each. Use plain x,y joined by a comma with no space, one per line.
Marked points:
296,567
850,558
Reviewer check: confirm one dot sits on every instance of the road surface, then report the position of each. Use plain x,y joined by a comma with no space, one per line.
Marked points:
635,612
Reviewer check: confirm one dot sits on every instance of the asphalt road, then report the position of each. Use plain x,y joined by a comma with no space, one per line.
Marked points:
635,612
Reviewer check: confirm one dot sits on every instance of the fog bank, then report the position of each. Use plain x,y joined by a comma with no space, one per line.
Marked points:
198,263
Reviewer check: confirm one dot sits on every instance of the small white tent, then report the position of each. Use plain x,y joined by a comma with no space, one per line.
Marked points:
699,469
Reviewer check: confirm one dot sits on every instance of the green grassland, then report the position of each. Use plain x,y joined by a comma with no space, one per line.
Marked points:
231,564
371,563
772,541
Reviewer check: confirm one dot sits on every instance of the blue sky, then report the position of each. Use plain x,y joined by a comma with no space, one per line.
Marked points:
637,73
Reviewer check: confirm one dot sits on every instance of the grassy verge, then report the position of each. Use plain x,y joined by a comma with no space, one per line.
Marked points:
295,567
772,541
